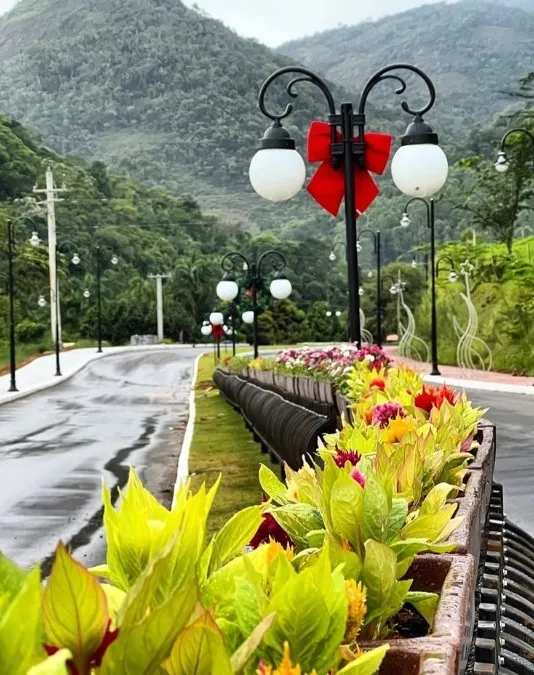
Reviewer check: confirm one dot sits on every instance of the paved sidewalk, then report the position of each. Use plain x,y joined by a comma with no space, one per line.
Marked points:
471,379
40,373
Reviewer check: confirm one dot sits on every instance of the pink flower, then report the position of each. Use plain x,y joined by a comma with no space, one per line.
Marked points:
358,477
384,412
344,456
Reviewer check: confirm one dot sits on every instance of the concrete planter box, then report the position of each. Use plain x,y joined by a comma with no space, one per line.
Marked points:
485,453
342,404
446,649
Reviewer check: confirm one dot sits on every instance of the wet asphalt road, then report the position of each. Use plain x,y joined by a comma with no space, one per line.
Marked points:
56,446
514,468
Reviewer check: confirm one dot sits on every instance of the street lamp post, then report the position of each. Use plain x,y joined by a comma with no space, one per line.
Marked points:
377,253
12,354
430,221
217,323
36,241
277,171
114,260
503,163
228,290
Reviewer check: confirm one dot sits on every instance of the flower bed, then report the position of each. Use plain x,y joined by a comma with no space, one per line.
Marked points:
358,562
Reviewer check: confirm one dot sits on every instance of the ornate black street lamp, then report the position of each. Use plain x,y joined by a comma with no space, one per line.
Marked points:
277,171
228,290
11,290
503,163
377,253
453,276
430,221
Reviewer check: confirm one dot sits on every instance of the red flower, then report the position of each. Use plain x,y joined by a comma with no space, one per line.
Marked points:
378,383
433,397
270,530
358,477
96,659
344,456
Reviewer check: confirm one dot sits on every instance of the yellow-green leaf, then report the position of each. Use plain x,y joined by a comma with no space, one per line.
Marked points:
272,486
366,663
378,574
241,657
141,648
429,526
75,609
115,598
199,650
436,498
20,627
235,535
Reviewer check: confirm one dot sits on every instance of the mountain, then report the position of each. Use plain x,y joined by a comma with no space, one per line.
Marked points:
159,91
474,51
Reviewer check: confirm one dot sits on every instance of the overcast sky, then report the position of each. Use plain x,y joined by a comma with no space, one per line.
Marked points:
276,21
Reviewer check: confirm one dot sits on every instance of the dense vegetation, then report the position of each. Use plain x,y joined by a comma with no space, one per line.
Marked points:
474,51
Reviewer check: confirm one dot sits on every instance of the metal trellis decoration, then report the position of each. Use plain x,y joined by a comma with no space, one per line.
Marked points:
472,352
367,336
410,345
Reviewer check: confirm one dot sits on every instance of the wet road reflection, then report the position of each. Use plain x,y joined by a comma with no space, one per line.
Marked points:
56,446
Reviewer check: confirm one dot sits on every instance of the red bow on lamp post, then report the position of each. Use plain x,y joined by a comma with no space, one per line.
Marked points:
327,184
217,332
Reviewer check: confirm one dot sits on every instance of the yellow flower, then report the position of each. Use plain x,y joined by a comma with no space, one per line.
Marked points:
285,668
356,595
274,549
397,428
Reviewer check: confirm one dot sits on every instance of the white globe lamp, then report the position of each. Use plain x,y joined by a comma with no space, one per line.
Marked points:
280,288
35,239
502,164
216,318
453,277
227,290
42,301
277,171
206,330
76,259
329,313
248,316
114,260
338,313
419,167
87,293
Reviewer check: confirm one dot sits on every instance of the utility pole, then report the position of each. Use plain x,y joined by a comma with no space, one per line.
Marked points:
51,193
159,295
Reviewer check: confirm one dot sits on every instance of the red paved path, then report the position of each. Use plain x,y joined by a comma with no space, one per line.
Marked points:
464,373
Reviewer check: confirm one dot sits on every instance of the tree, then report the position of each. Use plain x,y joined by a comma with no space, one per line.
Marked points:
496,201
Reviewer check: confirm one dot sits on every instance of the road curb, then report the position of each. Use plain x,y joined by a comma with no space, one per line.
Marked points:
479,385
15,396
183,461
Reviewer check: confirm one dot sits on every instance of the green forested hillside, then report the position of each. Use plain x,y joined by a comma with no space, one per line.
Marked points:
148,229
158,91
474,51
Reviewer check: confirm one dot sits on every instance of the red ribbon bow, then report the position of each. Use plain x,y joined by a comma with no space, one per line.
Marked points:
217,332
327,184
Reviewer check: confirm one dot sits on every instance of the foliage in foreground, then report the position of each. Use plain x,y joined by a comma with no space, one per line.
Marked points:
160,609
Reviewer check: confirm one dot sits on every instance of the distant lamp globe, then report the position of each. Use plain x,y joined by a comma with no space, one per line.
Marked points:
502,164
277,171
206,330
75,259
394,290
332,256
358,246
453,277
280,288
248,316
42,301
227,290
405,220
370,274
361,291
419,167
87,293
114,260
414,263
216,318
338,313
329,313
35,239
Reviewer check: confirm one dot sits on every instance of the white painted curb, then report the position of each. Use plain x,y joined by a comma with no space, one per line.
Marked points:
497,387
183,461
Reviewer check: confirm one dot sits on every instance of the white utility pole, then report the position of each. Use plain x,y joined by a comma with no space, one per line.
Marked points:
159,296
51,193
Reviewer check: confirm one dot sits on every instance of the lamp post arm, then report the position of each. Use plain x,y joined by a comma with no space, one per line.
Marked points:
303,75
518,130
422,201
374,235
278,261
385,74
449,260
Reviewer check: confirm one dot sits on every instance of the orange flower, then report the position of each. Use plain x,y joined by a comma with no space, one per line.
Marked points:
397,429
285,668
378,383
356,595
274,549
368,415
